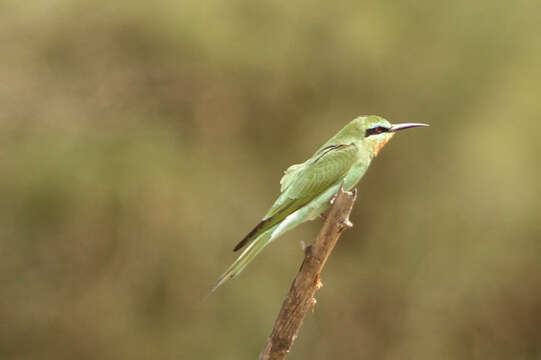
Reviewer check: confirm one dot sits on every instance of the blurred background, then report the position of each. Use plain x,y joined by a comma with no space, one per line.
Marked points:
140,141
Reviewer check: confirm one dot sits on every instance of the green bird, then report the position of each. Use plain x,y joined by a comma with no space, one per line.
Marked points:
307,188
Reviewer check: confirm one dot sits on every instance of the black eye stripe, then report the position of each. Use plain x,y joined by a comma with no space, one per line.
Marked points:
376,130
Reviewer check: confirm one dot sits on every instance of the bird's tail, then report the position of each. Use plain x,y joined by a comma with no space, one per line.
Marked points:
245,257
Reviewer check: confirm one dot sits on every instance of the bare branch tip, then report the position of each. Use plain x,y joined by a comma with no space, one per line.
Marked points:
300,298
347,223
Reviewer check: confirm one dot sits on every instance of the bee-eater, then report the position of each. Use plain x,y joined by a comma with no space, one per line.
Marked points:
307,188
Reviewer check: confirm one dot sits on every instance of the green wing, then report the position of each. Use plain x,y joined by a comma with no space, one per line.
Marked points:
304,182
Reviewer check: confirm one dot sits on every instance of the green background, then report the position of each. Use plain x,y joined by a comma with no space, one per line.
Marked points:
140,141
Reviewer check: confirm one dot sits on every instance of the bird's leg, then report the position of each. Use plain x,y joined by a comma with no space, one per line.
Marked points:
323,216
347,223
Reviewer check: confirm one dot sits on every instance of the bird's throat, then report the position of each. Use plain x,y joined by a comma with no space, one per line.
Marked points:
379,145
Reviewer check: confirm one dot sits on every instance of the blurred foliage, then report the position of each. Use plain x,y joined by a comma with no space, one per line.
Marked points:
140,141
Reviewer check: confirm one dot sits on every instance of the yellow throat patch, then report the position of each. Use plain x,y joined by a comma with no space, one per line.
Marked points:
380,146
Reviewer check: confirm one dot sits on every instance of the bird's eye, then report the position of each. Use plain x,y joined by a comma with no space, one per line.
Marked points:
375,130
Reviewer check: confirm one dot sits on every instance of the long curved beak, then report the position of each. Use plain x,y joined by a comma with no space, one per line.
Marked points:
398,127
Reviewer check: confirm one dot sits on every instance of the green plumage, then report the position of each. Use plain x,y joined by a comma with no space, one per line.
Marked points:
307,188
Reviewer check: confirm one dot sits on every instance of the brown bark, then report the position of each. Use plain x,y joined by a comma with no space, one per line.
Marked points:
300,298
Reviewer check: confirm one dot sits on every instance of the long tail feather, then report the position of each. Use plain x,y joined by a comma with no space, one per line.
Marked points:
252,234
245,257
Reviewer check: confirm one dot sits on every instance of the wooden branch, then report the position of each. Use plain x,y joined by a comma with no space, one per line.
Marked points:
300,298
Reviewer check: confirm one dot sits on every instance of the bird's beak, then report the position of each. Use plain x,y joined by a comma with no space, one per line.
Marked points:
398,127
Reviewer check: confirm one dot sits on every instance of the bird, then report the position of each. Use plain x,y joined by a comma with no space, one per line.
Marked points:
307,189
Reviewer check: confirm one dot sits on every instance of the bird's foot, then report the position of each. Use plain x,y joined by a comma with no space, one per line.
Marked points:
333,199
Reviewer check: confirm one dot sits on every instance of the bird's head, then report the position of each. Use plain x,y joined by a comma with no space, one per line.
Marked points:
377,131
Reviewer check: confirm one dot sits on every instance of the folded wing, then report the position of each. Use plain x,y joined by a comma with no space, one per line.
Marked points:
303,182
